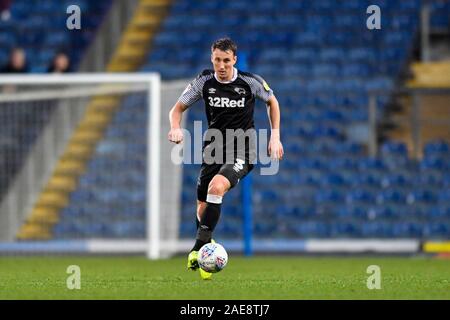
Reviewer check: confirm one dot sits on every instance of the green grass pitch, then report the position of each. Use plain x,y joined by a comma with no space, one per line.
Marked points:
261,277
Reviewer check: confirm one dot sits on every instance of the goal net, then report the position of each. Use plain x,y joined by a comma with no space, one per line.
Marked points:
81,165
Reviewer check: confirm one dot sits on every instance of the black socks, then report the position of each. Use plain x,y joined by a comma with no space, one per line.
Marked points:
207,224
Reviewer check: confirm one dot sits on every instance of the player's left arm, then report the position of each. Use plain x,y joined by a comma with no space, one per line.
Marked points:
273,111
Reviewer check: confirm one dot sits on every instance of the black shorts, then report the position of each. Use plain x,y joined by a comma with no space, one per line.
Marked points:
232,171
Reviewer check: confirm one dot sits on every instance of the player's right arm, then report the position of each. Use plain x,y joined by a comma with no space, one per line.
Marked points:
175,115
190,95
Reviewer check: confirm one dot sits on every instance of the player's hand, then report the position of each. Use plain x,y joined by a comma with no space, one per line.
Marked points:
175,135
275,149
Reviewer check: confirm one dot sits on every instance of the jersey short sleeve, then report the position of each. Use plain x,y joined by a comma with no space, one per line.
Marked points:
259,86
194,90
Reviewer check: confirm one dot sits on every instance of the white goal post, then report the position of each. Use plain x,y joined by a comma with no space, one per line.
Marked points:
15,206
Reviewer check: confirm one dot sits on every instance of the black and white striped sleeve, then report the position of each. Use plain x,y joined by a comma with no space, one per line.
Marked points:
259,87
193,91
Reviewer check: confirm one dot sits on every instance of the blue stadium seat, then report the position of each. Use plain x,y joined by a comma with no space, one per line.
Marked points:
444,196
418,196
434,163
437,148
376,230
360,196
391,196
345,230
394,148
310,229
329,196
407,230
438,212
395,180
436,230
333,180
365,179
230,229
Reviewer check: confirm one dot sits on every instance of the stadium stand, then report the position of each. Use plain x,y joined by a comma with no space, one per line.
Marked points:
321,67
110,202
39,26
322,83
101,139
22,122
322,87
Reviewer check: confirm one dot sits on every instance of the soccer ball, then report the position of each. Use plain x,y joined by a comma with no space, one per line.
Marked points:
212,257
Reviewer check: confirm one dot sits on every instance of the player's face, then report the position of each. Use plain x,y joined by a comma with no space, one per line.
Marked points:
223,62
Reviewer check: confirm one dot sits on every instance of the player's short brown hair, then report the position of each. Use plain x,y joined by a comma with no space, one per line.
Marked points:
224,44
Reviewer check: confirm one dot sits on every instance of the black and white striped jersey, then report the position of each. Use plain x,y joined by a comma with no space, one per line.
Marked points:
228,105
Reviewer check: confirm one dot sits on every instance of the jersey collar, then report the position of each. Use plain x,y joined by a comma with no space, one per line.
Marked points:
235,75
